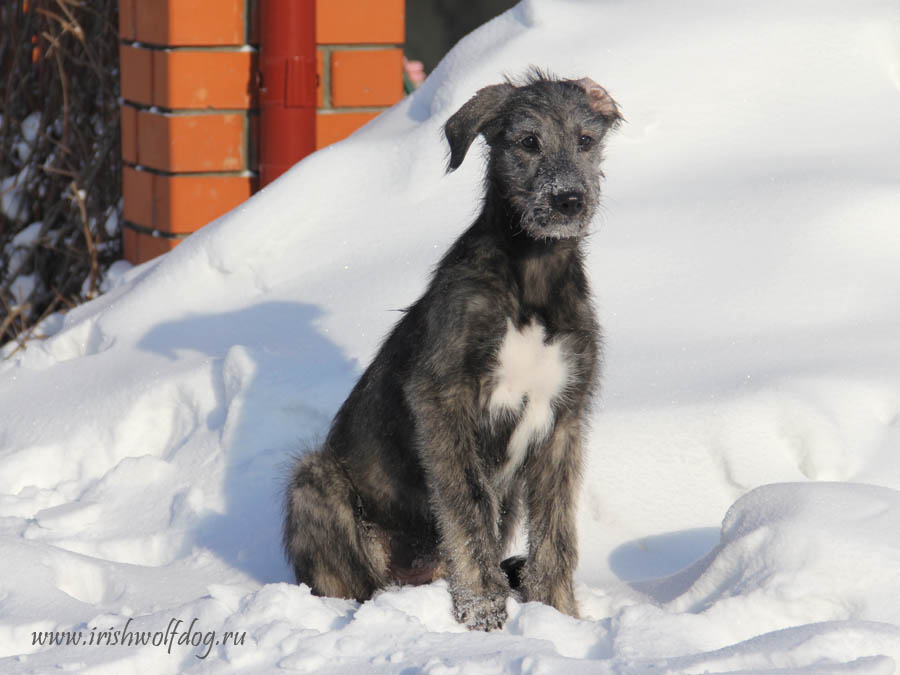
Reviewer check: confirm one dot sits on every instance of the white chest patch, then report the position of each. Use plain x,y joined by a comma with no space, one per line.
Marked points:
530,375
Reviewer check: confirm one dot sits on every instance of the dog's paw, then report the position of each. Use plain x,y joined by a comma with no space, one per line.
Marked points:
554,590
480,611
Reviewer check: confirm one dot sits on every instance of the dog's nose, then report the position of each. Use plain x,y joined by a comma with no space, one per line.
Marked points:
568,203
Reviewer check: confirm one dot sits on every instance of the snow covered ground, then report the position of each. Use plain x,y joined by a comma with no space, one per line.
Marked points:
741,504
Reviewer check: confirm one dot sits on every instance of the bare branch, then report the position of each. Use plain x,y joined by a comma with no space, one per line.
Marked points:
59,156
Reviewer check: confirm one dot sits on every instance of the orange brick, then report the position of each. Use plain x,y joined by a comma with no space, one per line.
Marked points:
139,247
334,127
204,79
190,22
127,22
136,68
149,247
180,204
152,21
360,22
371,77
129,134
186,203
320,79
254,142
137,196
129,245
173,142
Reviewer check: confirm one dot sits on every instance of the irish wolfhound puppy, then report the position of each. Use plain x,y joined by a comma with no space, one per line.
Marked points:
473,411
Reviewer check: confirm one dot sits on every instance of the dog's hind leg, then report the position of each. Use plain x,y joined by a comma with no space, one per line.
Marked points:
330,547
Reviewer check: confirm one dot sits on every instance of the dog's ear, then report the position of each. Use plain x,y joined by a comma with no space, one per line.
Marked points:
600,101
472,119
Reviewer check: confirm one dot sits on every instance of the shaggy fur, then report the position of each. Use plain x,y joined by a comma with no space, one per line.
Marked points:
473,412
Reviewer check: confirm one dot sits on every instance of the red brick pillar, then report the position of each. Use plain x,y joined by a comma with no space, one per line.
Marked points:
188,81
188,73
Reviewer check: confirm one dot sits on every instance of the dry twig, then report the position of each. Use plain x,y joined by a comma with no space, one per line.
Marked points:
59,155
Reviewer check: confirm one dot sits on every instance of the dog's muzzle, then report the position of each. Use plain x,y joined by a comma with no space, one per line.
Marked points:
569,204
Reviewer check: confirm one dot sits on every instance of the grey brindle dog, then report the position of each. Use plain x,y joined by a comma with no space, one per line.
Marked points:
473,412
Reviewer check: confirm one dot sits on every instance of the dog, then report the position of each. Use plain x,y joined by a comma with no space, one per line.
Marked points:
473,412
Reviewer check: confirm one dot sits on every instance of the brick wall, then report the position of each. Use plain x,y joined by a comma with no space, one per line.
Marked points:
189,118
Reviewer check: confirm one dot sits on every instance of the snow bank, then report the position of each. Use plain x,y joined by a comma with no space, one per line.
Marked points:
741,502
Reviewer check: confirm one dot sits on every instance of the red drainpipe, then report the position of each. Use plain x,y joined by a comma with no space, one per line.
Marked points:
287,90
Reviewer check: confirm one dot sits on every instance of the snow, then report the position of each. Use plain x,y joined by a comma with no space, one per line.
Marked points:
111,224
30,127
115,275
22,287
12,203
28,236
741,501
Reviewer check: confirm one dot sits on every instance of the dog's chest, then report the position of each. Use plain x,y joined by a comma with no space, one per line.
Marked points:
531,373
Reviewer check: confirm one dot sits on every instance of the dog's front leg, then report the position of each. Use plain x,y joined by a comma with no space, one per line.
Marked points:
466,508
552,480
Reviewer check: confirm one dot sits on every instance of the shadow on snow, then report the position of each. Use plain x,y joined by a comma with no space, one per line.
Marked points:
277,382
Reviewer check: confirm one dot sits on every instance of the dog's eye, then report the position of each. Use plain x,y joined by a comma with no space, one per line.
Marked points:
585,142
530,142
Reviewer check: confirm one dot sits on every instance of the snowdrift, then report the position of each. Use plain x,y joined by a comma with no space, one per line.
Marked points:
741,504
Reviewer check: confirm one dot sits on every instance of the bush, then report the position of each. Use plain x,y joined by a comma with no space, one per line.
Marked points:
60,156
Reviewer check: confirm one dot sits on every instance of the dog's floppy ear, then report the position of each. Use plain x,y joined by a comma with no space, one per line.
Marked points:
600,101
470,120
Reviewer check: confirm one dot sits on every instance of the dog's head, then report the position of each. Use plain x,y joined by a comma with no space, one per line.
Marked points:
546,140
